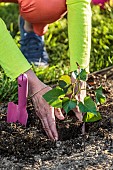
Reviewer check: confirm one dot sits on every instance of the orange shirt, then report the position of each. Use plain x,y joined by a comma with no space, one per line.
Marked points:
41,12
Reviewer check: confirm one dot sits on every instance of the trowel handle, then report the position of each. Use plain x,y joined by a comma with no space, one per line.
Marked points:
22,90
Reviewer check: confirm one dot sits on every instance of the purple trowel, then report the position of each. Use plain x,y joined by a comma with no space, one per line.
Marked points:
18,112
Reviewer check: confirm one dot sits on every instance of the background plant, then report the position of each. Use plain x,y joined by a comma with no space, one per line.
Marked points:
64,96
102,38
8,89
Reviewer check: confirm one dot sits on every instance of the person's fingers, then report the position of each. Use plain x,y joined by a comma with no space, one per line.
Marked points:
52,123
76,110
47,117
51,119
47,114
58,113
47,128
78,113
46,123
80,97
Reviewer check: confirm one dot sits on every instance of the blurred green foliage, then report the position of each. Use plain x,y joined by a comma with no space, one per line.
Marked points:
9,13
102,38
8,88
56,40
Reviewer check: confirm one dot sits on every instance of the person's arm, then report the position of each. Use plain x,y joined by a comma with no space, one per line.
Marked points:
11,58
14,64
79,31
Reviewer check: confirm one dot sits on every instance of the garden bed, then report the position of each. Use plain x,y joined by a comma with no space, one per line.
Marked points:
29,148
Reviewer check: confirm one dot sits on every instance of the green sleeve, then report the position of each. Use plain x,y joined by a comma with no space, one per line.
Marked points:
11,59
79,32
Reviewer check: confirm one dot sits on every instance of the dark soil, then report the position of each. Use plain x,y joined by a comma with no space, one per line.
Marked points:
29,148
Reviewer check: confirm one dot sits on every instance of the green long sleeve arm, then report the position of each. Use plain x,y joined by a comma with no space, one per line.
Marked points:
11,59
79,32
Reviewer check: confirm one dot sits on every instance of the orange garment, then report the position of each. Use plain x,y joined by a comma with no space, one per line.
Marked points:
41,12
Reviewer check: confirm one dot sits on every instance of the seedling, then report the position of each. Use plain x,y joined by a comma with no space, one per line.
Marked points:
65,95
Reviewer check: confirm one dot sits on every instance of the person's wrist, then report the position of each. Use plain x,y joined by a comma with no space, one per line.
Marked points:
34,84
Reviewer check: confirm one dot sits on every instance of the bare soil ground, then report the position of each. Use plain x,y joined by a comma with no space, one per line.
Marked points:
30,149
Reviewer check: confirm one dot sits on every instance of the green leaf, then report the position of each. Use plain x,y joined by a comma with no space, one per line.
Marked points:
67,88
65,84
62,84
91,117
100,97
69,104
88,105
66,79
83,75
82,107
54,97
76,73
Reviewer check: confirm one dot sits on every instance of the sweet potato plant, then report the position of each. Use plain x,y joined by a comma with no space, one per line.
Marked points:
64,96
